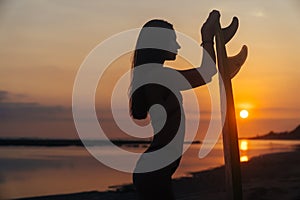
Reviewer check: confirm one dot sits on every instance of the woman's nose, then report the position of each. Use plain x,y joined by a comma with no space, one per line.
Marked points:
178,45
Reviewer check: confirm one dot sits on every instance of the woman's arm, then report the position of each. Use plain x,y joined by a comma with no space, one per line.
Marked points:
203,74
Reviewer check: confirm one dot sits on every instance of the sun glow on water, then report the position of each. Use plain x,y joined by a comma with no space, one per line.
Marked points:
244,145
244,159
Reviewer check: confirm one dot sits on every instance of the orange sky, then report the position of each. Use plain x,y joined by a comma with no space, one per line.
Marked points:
43,43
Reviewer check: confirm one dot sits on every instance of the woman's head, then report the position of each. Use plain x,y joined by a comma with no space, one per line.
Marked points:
156,43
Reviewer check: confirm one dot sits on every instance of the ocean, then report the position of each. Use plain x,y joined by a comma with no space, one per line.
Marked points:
36,171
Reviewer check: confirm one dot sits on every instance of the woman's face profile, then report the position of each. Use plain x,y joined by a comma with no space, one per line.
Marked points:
173,47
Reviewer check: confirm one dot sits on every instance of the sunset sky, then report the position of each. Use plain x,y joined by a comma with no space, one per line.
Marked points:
43,44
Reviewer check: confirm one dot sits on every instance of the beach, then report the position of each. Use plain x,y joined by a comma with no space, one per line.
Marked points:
271,176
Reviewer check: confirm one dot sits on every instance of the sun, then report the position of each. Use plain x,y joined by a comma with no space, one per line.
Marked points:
244,114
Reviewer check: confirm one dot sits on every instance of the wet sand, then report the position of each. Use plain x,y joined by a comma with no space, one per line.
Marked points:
272,176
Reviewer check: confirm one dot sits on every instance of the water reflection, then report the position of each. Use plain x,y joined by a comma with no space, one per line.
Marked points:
244,151
35,171
244,159
244,145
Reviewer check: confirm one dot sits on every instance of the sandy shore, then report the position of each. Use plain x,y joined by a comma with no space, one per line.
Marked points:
273,176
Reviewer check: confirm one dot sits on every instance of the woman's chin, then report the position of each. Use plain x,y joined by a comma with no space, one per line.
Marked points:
172,57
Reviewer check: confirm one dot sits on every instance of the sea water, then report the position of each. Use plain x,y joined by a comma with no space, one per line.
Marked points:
37,171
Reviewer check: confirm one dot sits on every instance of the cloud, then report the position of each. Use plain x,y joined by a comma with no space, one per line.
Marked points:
31,119
32,111
6,96
12,110
259,14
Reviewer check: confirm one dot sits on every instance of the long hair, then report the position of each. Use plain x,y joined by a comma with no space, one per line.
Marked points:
137,103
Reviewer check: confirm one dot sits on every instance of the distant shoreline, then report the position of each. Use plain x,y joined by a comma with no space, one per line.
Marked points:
292,135
287,135
75,142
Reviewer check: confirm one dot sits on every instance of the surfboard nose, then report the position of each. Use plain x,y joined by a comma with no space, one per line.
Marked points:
229,31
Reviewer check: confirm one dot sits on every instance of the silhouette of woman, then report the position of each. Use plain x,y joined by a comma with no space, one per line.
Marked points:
157,184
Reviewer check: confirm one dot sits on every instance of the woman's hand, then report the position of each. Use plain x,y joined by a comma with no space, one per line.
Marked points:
208,29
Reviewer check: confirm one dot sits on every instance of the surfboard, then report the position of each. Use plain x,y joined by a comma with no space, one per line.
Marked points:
228,67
